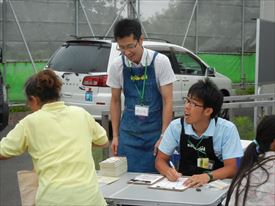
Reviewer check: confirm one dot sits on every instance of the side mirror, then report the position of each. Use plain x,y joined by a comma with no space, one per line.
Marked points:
211,72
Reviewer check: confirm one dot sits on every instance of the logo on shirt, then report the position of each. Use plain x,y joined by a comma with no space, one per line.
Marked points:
201,149
138,78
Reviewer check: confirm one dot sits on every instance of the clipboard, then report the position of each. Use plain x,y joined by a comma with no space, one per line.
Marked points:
165,184
146,179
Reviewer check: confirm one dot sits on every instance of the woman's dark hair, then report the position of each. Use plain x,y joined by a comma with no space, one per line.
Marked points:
253,159
45,85
207,92
126,27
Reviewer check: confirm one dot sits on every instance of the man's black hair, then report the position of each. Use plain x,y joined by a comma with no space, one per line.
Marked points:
126,27
207,92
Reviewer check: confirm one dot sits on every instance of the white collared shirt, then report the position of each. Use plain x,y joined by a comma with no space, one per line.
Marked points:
163,69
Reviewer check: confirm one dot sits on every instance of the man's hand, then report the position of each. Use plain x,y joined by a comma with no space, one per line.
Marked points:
197,180
172,174
114,145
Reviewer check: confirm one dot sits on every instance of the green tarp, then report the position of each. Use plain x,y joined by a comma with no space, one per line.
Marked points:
230,66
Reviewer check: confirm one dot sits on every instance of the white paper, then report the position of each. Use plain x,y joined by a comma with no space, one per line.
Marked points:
219,184
146,179
168,185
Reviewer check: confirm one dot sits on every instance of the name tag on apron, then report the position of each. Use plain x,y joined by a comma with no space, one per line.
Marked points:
205,163
141,110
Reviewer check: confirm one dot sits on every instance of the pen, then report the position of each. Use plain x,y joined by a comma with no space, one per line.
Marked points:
140,181
172,165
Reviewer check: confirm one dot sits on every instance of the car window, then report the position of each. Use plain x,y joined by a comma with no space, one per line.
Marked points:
81,57
167,52
188,64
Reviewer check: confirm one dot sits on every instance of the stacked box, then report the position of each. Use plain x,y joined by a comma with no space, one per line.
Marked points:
113,166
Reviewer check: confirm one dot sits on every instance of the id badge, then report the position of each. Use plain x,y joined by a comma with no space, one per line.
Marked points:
203,163
211,164
141,110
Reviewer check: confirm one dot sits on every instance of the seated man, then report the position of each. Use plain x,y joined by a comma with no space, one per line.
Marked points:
209,146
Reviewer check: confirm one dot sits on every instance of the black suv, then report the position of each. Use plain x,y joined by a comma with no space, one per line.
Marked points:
4,108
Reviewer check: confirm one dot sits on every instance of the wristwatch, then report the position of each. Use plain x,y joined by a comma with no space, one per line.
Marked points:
210,175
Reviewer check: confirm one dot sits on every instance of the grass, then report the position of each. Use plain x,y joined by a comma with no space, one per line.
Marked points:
245,91
245,127
19,109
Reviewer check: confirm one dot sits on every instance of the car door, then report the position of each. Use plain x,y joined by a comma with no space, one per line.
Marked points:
167,51
190,69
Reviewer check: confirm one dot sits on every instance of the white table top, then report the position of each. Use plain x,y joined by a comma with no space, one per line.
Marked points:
245,143
120,192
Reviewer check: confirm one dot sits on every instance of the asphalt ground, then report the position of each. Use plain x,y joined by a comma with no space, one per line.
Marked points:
9,191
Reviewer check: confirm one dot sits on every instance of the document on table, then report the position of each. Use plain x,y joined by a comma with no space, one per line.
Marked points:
146,179
219,184
106,180
165,184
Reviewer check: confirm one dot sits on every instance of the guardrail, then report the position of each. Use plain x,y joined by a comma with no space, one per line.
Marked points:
263,103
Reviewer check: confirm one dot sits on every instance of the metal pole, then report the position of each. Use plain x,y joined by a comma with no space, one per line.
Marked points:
105,124
121,9
138,8
131,9
242,44
23,37
197,30
4,6
257,90
189,23
76,17
86,16
145,33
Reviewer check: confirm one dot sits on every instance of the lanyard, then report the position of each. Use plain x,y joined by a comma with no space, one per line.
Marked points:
196,147
141,93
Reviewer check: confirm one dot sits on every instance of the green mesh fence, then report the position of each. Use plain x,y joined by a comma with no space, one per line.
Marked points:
229,65
16,75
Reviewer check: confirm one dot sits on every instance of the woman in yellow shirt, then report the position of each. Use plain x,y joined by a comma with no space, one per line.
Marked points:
59,139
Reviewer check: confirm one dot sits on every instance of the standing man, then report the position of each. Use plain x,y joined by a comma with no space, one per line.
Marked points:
209,146
146,78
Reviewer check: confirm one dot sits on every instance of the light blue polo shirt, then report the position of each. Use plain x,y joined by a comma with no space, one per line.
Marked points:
226,139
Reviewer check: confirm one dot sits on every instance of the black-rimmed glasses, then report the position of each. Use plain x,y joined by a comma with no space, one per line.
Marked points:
128,47
187,100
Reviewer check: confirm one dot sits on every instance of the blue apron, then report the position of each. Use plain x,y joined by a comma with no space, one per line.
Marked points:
138,135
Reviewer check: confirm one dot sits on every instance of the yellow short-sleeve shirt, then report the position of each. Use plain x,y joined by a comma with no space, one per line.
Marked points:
59,139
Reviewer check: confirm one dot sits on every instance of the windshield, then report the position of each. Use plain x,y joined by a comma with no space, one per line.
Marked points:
81,57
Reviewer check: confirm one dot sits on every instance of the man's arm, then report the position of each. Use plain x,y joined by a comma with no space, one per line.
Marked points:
161,164
227,171
115,117
167,109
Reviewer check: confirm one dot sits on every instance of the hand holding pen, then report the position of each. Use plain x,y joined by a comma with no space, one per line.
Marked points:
172,173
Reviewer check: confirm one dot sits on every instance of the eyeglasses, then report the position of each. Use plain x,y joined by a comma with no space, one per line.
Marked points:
128,47
187,100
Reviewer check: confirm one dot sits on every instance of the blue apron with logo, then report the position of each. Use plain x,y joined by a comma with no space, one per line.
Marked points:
138,135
